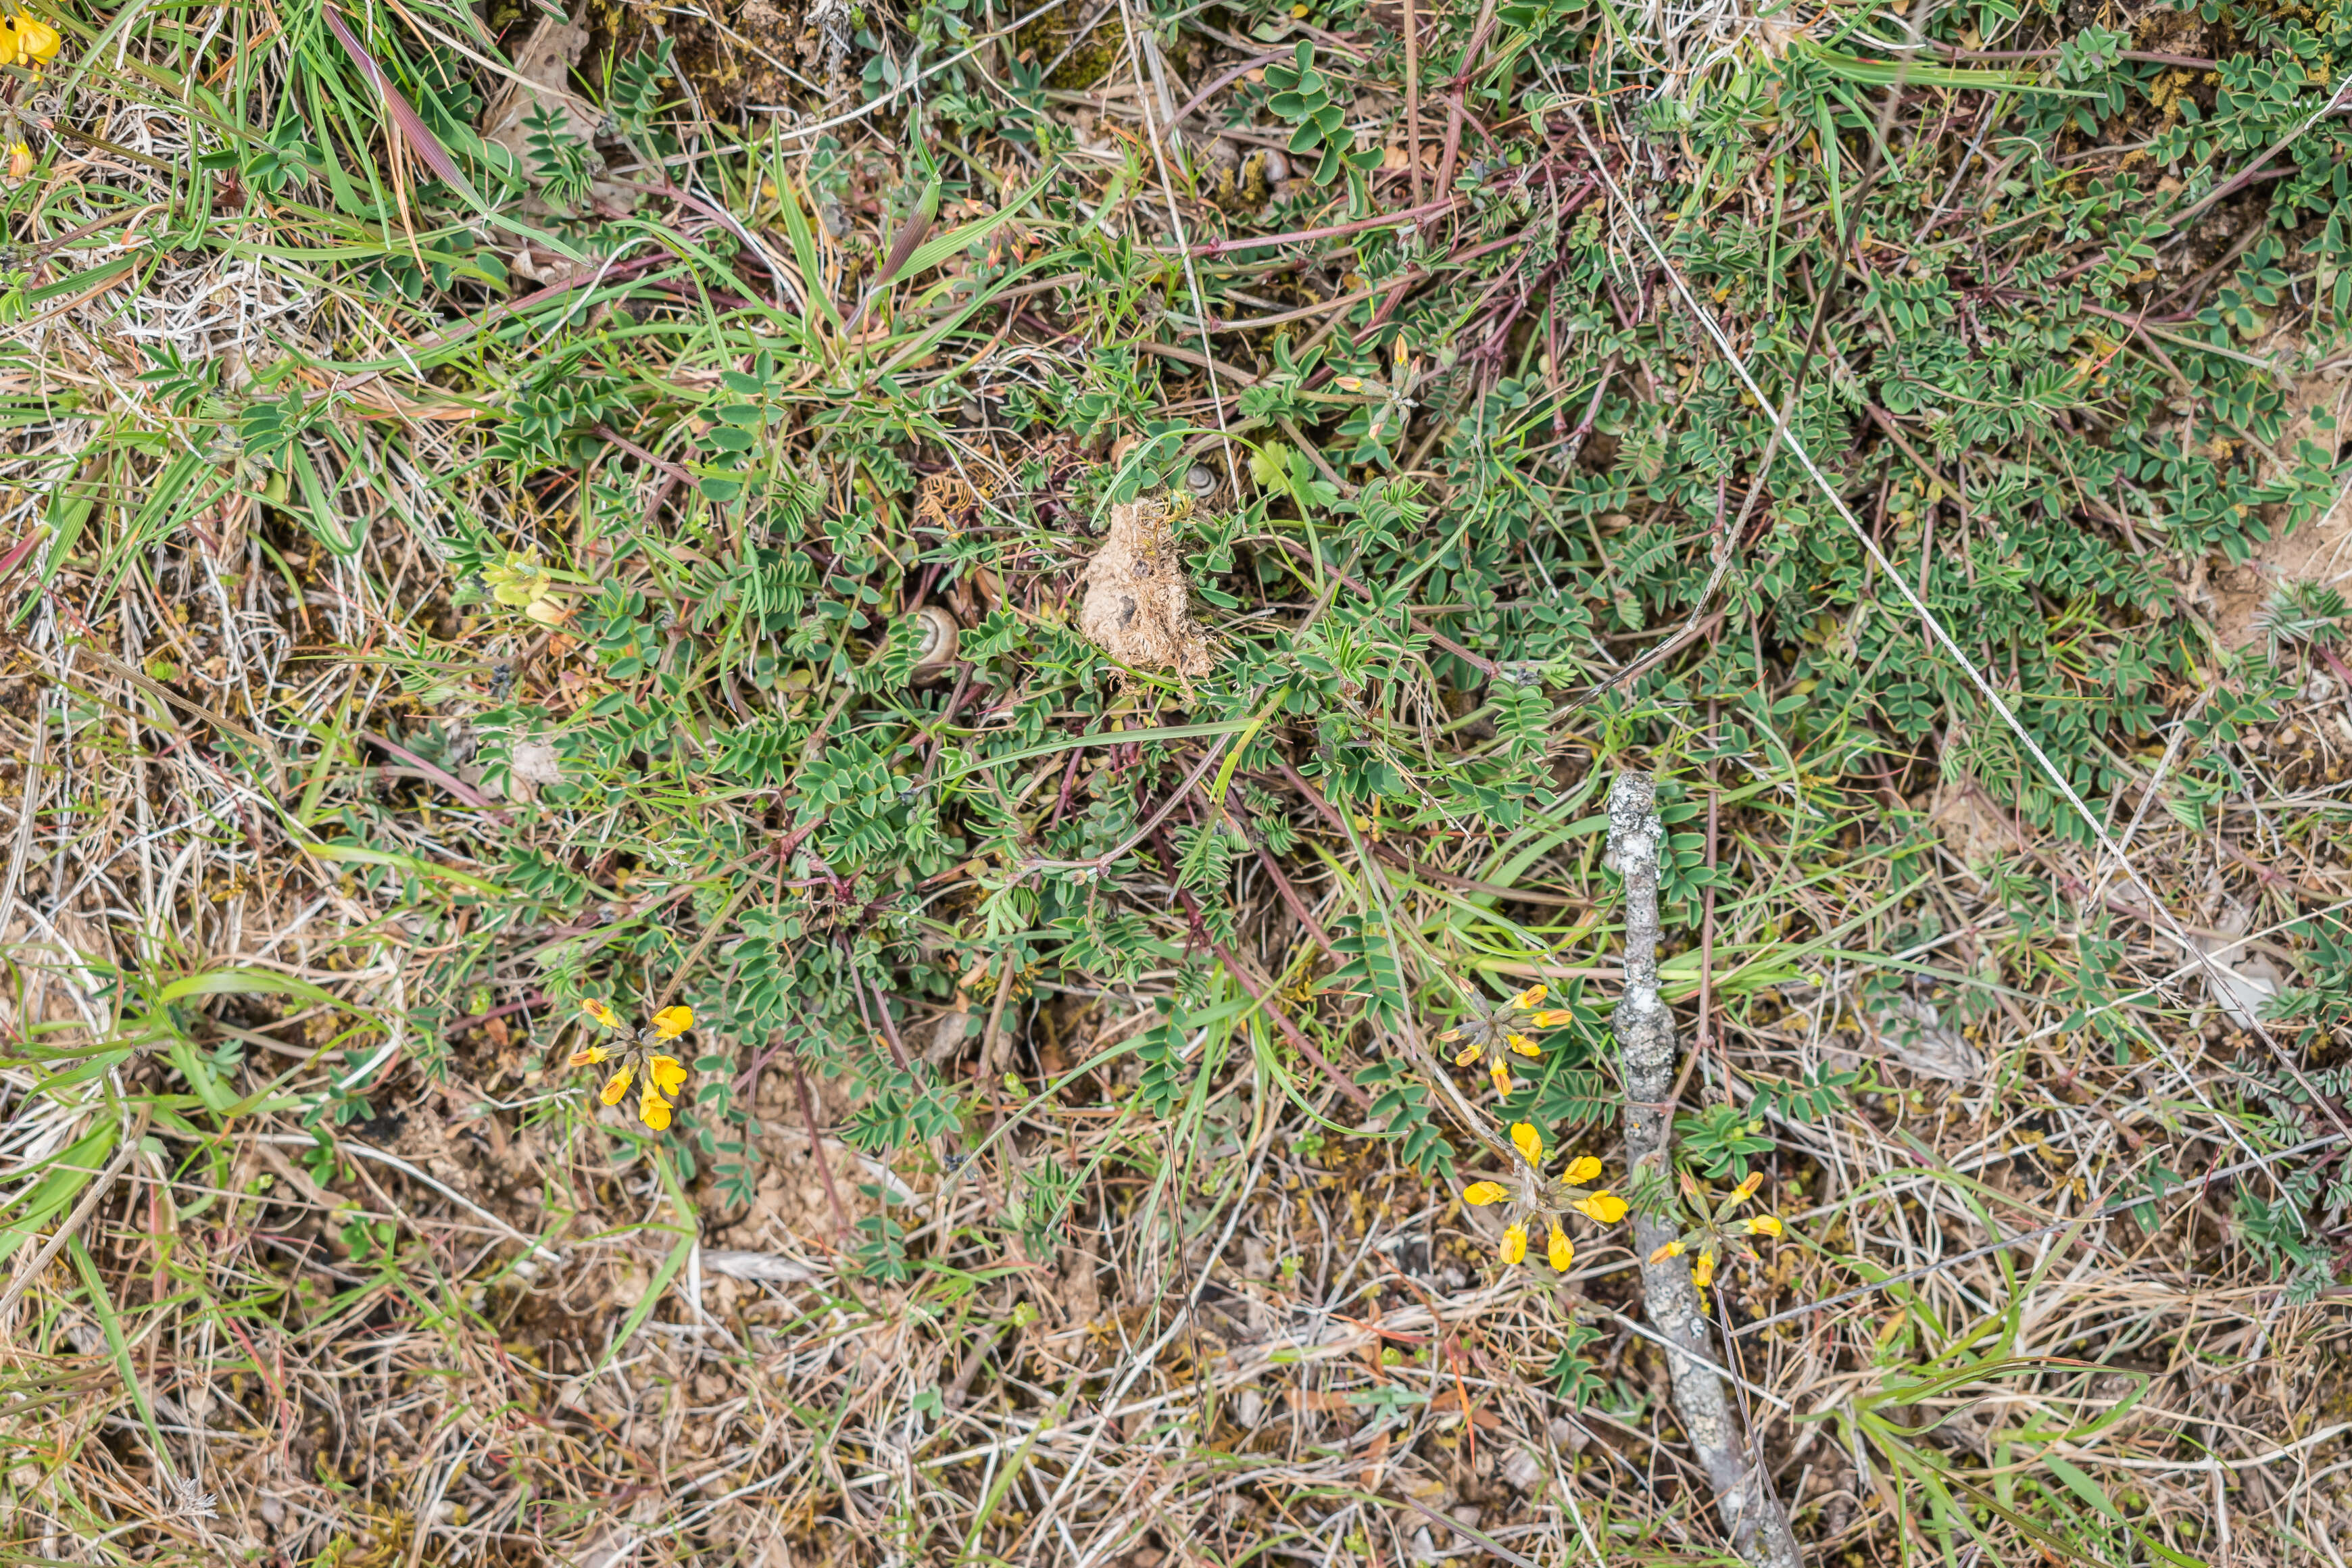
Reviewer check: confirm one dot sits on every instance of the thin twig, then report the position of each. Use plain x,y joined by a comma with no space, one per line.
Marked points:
1645,1039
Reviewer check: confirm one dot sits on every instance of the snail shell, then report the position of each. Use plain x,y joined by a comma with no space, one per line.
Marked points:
935,647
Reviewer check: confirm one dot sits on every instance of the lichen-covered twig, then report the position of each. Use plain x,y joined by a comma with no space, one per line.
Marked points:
1743,1498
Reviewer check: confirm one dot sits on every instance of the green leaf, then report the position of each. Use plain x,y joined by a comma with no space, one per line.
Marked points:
246,982
938,247
39,1202
2082,1486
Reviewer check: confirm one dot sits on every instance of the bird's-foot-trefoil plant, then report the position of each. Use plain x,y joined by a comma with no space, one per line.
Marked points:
1542,1202
1713,1231
665,1075
1494,1027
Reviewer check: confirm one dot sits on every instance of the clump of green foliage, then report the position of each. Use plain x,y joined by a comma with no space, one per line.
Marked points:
2040,372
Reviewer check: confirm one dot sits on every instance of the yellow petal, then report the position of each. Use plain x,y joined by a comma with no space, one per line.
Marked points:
1747,1189
666,1073
1764,1225
1448,1037
1607,1208
1671,1249
1563,1251
1527,1142
602,1013
618,1085
1502,1076
1469,1054
1524,1046
653,1109
1484,1193
1531,997
1552,1018
1703,1271
672,1022
1514,1244
589,1057
1581,1169
41,40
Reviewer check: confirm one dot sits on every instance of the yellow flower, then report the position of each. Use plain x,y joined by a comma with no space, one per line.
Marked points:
1552,1018
28,41
20,161
1603,1209
1536,1200
1494,1027
1715,1232
665,1076
518,580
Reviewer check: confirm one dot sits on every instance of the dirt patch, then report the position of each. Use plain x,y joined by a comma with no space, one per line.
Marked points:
1972,829
752,53
2319,551
1139,603
792,1210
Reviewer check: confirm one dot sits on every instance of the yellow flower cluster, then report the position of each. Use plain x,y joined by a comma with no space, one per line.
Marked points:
665,1075
1491,1030
1542,1201
1715,1229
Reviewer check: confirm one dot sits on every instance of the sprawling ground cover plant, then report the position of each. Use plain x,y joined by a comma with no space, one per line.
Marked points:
1046,593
